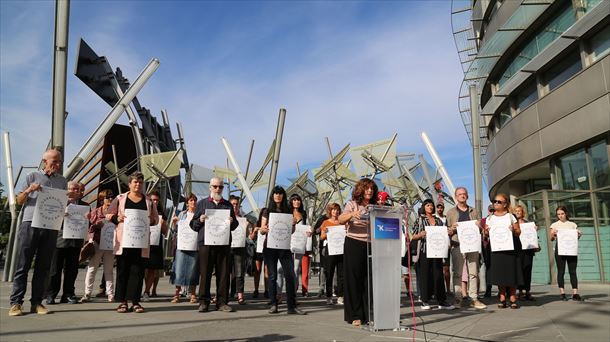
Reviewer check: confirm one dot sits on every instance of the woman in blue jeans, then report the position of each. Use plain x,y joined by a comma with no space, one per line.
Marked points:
278,203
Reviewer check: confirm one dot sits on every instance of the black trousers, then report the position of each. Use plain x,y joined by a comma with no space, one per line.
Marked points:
284,256
355,275
32,242
527,263
130,268
214,258
332,262
64,260
431,278
572,261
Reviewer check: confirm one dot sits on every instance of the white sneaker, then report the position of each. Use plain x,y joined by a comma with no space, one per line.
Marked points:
110,298
340,300
145,297
446,306
425,306
329,301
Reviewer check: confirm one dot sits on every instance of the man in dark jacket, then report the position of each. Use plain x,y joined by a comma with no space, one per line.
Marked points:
65,258
213,256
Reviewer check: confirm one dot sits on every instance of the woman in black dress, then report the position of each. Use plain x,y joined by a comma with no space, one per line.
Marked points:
506,271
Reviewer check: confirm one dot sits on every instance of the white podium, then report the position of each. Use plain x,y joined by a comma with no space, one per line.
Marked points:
384,272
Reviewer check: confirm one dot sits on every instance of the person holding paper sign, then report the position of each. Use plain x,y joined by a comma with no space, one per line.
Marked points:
34,241
131,261
355,251
258,257
238,258
213,257
185,268
429,270
333,211
155,263
96,223
279,204
301,261
67,251
506,271
527,258
563,222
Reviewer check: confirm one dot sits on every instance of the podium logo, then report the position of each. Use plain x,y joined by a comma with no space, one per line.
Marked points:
387,228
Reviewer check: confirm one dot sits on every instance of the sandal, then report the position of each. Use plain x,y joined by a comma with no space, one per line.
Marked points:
137,308
241,301
176,299
194,299
122,308
502,305
514,305
356,322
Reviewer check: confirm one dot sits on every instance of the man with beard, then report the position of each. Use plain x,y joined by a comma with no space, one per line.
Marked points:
213,256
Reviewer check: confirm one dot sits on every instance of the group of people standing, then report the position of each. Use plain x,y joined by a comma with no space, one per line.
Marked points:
138,268
510,270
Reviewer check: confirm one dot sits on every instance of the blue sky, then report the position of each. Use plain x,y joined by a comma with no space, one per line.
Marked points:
353,71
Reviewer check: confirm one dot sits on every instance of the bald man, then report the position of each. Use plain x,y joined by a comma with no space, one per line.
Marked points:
33,241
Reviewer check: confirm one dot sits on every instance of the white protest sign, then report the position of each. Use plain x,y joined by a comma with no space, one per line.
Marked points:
136,229
437,242
238,236
529,236
280,231
50,208
217,227
469,236
567,242
76,224
335,236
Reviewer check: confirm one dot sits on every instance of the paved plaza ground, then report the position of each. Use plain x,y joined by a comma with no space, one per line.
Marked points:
547,319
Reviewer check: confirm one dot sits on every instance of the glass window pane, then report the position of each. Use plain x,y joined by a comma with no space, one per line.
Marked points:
563,70
527,96
601,167
573,171
600,44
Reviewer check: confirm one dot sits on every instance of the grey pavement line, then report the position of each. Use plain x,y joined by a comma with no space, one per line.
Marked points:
509,331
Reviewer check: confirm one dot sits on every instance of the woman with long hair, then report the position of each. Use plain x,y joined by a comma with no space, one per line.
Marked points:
333,211
355,251
185,268
563,222
301,261
278,203
506,271
131,262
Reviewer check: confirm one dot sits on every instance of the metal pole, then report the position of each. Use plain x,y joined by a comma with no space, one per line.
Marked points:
116,164
411,179
387,150
424,168
330,152
241,195
12,205
133,122
439,164
60,61
240,177
476,149
111,118
276,152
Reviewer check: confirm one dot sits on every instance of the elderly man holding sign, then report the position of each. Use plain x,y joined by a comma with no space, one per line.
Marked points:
44,199
214,220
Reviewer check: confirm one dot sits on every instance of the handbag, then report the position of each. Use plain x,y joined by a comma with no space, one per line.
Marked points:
86,252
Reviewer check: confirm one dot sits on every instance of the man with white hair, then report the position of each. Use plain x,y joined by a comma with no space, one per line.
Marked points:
213,257
33,241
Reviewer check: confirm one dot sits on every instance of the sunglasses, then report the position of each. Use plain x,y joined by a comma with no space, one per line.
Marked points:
217,186
497,202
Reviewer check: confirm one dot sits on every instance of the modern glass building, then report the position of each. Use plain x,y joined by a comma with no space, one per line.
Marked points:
542,75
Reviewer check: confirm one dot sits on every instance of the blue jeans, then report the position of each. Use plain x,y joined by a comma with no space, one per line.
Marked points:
32,241
284,256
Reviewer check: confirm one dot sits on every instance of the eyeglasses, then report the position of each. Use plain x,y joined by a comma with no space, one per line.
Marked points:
217,186
497,202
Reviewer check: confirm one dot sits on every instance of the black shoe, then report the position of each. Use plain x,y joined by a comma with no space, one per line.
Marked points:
51,301
296,311
63,300
204,307
255,294
576,297
73,300
563,297
273,309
